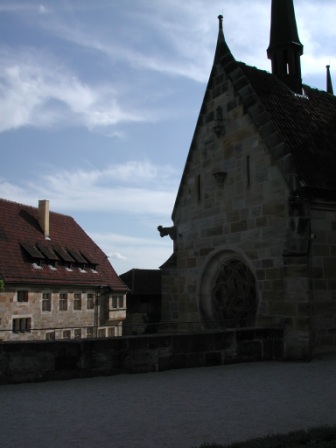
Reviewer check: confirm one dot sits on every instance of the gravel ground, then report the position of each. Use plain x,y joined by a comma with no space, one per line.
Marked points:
175,409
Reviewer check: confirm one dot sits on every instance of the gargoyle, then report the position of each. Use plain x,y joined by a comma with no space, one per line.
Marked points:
164,231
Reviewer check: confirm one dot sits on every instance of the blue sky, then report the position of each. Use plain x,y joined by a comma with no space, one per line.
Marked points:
100,99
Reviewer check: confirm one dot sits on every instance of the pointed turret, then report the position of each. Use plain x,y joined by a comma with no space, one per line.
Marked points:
222,49
285,48
220,39
329,82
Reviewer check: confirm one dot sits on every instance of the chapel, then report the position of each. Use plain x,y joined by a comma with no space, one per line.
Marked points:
254,223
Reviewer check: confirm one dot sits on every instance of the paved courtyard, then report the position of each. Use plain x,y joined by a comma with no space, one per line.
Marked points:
175,409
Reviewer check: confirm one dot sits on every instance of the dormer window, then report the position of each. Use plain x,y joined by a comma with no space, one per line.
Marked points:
79,259
32,251
90,261
66,258
49,254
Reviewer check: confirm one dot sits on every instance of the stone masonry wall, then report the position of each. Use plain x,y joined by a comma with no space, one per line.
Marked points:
233,203
56,360
52,323
323,278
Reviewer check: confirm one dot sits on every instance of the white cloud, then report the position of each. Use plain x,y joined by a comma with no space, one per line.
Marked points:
37,90
42,9
172,38
131,252
117,256
135,188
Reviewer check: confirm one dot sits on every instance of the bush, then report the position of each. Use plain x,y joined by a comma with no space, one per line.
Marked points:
322,437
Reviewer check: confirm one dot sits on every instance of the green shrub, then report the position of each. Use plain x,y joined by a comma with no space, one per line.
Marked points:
322,437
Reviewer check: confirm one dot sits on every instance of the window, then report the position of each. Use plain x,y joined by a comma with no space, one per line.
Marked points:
248,172
77,301
117,302
111,332
63,301
77,333
89,332
68,265
198,188
22,296
50,336
66,334
90,301
101,333
46,301
22,325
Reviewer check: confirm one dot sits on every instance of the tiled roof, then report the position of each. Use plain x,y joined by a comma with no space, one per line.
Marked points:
143,281
22,242
307,124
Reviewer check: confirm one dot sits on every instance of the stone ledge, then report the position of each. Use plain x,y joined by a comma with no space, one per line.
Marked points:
56,360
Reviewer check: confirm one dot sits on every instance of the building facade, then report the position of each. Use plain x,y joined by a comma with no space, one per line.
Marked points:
254,224
56,283
143,301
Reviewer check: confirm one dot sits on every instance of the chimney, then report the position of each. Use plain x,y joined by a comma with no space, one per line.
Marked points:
43,216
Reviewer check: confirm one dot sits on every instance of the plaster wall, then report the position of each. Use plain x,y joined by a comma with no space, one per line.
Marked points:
52,323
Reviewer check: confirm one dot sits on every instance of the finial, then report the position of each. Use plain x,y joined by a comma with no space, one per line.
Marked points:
220,18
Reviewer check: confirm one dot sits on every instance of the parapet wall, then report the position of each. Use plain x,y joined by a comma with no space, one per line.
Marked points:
56,360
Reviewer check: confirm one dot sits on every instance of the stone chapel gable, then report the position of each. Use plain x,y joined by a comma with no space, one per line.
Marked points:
254,232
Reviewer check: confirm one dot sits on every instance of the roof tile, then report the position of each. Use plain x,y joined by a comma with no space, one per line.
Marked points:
20,228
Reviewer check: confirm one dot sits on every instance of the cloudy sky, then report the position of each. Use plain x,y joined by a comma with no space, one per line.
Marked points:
99,100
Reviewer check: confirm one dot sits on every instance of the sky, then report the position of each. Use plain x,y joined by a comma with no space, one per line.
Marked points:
100,98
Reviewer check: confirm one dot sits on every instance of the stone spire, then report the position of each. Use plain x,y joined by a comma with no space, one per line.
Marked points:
221,46
329,82
285,48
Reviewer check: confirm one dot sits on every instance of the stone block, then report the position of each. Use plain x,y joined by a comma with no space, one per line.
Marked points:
273,295
274,208
249,351
330,267
274,273
319,250
245,334
267,263
316,272
282,308
274,286
175,361
194,360
278,349
302,324
327,308
299,270
239,226
213,359
320,284
262,221
261,274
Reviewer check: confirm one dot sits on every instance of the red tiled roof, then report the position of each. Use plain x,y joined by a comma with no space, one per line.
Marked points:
21,235
306,123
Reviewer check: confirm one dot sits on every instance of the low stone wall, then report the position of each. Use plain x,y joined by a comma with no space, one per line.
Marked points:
57,360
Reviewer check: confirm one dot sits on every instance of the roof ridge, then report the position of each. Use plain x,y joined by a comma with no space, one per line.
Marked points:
33,207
